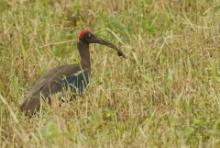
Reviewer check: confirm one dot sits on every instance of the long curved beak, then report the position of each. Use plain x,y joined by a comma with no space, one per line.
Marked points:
110,45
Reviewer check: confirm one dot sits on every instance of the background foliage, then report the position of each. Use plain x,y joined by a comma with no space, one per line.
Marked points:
165,94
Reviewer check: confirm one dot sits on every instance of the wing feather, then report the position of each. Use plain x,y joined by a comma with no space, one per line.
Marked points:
47,85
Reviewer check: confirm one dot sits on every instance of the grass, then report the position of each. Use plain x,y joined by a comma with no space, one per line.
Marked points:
166,94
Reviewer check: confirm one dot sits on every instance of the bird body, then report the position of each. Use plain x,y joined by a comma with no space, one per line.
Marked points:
74,76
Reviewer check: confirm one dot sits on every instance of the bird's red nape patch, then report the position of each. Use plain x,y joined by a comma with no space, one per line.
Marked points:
83,33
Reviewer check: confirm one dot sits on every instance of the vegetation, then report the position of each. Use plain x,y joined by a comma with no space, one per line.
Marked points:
166,94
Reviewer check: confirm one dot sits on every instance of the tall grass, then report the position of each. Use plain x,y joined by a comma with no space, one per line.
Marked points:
166,94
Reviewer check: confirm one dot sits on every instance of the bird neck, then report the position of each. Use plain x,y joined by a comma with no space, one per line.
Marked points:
83,48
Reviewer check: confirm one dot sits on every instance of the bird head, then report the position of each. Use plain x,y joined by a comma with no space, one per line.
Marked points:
88,37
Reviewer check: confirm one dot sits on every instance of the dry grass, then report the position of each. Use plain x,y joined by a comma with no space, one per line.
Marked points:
166,94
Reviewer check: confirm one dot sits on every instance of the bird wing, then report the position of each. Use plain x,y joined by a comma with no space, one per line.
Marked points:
51,77
47,85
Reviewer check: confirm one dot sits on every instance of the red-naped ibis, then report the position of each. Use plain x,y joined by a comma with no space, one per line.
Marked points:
71,76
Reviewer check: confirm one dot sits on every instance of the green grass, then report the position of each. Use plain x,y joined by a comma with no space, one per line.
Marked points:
166,94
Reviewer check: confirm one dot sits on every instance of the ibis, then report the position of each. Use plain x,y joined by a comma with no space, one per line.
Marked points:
73,76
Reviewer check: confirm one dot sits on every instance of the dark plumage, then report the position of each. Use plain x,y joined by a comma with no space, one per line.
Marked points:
77,82
74,76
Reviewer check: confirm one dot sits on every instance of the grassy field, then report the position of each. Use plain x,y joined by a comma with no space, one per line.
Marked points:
165,94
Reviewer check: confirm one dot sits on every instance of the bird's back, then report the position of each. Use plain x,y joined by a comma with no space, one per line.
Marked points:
53,81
